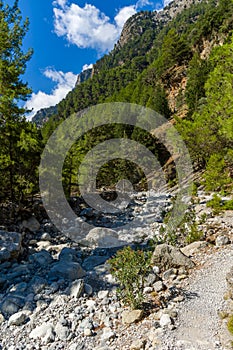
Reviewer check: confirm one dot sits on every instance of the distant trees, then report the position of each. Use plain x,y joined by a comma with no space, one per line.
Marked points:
19,140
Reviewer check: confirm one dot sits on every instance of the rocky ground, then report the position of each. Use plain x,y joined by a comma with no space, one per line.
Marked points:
58,294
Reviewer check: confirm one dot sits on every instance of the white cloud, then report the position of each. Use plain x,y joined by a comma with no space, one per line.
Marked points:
142,3
123,15
88,27
166,2
87,66
64,83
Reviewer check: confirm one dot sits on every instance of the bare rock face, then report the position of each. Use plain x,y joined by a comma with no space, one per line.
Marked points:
166,257
10,245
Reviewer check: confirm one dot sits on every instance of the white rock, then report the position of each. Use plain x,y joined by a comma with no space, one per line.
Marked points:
44,331
87,332
102,237
107,334
222,240
165,320
103,294
17,319
76,288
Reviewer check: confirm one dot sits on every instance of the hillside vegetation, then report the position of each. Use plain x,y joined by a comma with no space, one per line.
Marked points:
181,66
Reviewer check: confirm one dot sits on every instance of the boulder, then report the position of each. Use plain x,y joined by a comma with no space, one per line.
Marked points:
10,245
18,319
103,237
42,258
67,270
166,256
193,248
31,224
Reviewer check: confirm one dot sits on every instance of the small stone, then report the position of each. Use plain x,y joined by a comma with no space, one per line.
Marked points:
88,289
169,274
17,319
165,320
129,317
44,332
221,241
102,294
138,344
148,290
2,319
158,286
76,288
87,332
61,331
91,303
107,334
46,237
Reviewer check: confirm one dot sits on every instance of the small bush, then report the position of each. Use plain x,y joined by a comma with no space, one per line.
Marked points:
130,268
230,324
217,204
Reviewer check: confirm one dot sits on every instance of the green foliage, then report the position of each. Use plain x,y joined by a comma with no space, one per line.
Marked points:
230,324
20,141
186,229
218,205
130,268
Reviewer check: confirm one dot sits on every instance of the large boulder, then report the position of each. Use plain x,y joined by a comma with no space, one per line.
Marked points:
66,270
10,245
166,256
103,238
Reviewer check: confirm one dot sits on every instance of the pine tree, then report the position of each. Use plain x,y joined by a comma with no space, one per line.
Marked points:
18,140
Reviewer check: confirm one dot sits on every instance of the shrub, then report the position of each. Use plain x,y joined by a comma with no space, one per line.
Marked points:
230,324
130,268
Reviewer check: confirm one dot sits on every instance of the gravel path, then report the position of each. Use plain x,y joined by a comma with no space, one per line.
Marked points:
198,325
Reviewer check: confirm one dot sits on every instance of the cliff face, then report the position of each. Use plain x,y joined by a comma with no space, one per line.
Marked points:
133,27
83,76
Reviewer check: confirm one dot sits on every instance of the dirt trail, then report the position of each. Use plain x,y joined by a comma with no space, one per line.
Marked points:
198,325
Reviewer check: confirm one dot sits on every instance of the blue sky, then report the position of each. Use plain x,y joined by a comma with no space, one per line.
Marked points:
67,36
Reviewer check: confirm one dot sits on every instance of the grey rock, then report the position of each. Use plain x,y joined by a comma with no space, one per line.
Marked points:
37,284
61,331
107,334
221,241
11,245
169,274
129,317
193,248
68,255
42,258
167,256
138,344
31,224
88,289
103,238
102,294
165,320
158,286
17,319
69,271
45,331
76,288
11,305
93,261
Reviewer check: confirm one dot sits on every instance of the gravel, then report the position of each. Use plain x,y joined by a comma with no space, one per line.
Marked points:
198,326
